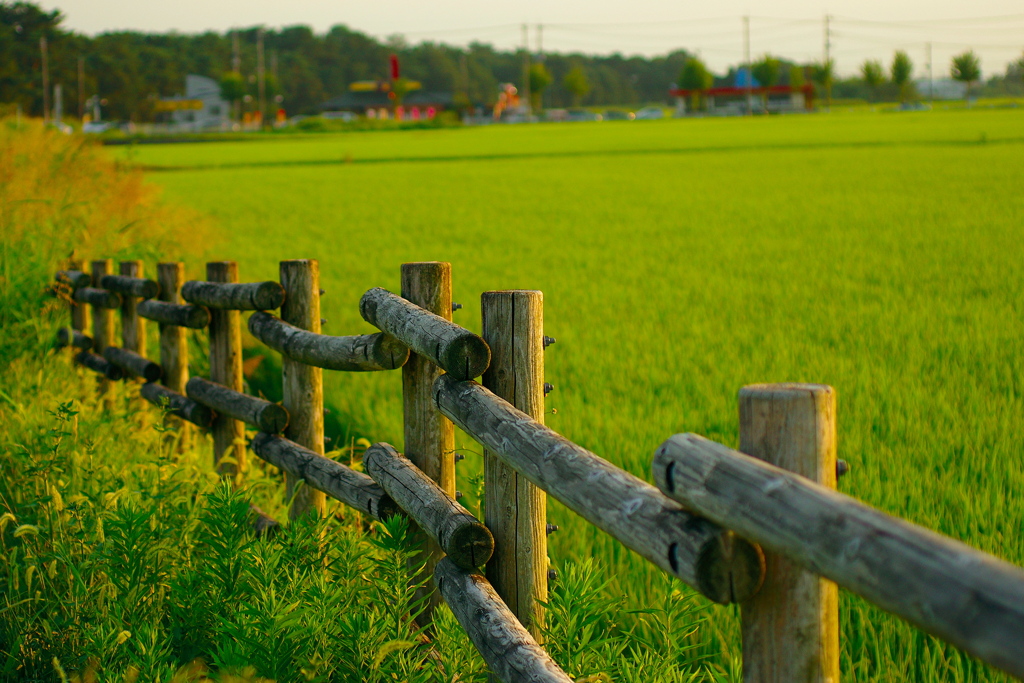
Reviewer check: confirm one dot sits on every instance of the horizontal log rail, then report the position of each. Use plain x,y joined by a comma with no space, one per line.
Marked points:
101,298
133,364
459,534
74,278
264,415
67,336
342,483
131,286
358,353
724,568
705,522
182,315
98,363
507,647
249,296
966,597
456,350
176,404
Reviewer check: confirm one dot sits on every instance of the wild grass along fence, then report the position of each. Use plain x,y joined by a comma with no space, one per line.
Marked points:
706,522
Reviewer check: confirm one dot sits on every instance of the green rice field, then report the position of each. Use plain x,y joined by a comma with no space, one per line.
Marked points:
880,253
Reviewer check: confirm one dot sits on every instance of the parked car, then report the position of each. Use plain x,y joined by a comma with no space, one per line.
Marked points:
346,116
582,115
650,113
618,115
97,126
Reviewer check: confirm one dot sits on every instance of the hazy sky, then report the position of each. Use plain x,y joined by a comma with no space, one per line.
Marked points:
791,28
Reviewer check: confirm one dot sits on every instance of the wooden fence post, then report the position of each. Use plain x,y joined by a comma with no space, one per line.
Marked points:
133,326
791,626
429,435
80,318
174,343
514,509
226,370
303,384
102,325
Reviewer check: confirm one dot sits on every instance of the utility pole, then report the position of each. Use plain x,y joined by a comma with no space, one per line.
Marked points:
81,88
526,67
540,42
46,79
261,75
746,61
930,83
828,64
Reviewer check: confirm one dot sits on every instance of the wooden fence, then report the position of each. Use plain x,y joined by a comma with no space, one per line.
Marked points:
706,521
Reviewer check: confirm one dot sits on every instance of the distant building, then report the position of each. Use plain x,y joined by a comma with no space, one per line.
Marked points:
200,108
365,96
746,93
940,89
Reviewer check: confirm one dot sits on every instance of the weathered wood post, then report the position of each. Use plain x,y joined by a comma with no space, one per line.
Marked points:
514,509
80,319
226,370
174,343
102,325
791,627
429,435
303,384
133,326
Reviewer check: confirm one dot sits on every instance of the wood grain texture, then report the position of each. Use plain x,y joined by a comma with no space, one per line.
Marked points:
264,415
99,364
711,559
178,405
429,436
97,297
102,321
341,483
357,353
458,533
428,332
791,626
81,319
250,296
510,651
514,509
67,336
174,342
226,370
968,598
129,284
182,315
303,385
133,364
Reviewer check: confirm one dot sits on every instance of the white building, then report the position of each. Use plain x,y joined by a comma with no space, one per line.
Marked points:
201,108
940,89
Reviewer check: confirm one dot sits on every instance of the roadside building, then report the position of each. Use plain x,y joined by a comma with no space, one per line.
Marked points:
200,108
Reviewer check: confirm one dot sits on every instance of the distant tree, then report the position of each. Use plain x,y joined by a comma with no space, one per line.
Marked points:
766,71
966,68
695,77
873,74
901,71
796,76
540,78
823,73
233,89
575,81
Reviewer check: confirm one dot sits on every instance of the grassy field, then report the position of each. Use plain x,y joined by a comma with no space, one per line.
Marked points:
680,260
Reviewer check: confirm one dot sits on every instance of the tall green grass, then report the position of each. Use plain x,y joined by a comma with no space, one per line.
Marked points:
123,558
680,260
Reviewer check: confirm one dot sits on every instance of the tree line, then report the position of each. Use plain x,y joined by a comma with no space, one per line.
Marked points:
131,71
